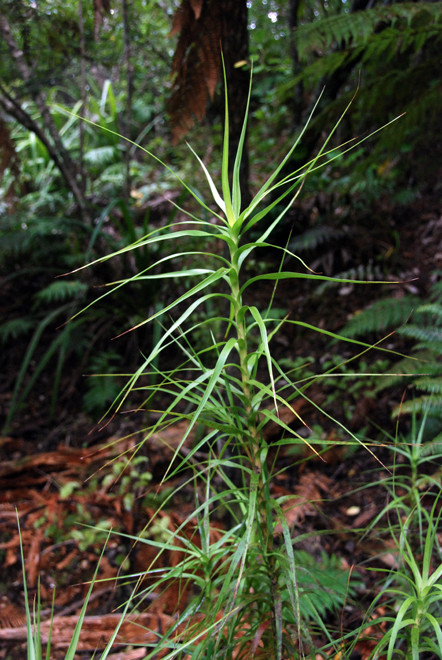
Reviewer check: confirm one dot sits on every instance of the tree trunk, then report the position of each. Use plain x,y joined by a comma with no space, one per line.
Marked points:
128,64
82,178
48,133
205,27
295,11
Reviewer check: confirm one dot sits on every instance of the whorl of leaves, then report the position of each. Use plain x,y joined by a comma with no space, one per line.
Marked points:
196,64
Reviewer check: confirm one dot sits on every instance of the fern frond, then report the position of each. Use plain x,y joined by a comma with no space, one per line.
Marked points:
101,155
419,107
436,289
421,405
430,366
430,385
429,380
427,336
60,291
368,272
35,236
103,383
14,328
316,70
314,237
432,447
380,316
431,308
323,585
411,21
402,372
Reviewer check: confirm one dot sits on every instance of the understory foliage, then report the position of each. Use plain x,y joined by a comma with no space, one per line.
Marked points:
380,31
43,238
42,249
420,324
393,48
254,590
186,286
50,55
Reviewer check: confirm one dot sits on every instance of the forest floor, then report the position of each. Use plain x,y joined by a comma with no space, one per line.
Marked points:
61,477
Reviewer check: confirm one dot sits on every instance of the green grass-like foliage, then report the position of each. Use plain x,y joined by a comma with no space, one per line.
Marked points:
409,592
251,589
413,592
39,648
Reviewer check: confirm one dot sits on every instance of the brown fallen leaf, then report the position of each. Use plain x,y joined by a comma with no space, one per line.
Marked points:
96,630
305,499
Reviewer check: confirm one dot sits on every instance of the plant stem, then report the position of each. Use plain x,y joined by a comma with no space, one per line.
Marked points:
255,446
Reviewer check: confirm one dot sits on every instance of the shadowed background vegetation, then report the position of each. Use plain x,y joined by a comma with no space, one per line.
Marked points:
89,92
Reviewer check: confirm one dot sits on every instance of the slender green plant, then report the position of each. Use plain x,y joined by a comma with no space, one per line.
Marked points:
412,594
409,594
249,593
39,646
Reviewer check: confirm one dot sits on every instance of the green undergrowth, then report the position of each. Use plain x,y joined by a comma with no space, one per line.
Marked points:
419,324
43,237
246,589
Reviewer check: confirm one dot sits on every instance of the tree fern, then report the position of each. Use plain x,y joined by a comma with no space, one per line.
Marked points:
387,28
393,50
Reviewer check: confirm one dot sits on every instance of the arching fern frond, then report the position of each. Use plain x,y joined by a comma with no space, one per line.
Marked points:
430,385
14,328
420,405
432,308
387,27
425,335
314,237
424,372
60,291
382,315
